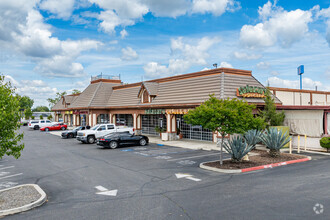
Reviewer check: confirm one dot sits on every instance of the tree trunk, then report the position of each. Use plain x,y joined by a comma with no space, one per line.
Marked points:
221,148
274,153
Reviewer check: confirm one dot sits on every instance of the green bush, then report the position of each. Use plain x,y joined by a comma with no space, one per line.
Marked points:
325,143
41,117
274,140
237,147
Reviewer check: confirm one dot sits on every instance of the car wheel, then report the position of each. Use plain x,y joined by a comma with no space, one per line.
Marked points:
143,142
70,135
36,127
91,139
113,144
62,128
46,129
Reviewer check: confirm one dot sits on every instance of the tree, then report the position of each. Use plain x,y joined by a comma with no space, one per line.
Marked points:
269,113
49,117
226,117
40,109
9,118
75,91
25,102
55,100
28,113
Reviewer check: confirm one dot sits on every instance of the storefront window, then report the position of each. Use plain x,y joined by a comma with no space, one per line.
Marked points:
150,122
103,119
124,120
195,132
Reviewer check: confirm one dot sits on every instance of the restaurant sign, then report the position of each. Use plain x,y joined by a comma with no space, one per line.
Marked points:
251,92
154,111
177,111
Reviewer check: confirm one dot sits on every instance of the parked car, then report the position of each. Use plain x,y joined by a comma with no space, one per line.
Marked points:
89,136
36,124
54,127
73,133
122,138
24,122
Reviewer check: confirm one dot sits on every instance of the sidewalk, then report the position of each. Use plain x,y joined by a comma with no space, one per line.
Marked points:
185,143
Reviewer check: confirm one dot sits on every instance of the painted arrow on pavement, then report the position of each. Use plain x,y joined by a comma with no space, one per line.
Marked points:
105,191
187,176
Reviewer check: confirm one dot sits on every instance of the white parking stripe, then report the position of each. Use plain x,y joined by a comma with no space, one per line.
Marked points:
6,167
205,155
10,176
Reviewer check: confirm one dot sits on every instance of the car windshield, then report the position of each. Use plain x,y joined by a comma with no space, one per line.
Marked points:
77,129
95,127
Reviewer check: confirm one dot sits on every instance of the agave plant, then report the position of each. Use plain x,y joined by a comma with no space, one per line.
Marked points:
274,140
252,137
238,148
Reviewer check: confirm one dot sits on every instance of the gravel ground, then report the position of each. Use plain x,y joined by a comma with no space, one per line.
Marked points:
18,197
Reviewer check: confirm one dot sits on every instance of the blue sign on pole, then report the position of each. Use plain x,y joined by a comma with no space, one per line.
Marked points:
300,69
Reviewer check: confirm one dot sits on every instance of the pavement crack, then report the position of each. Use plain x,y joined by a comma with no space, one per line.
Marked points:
178,205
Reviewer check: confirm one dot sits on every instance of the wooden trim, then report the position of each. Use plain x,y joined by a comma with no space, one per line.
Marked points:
191,75
311,98
106,81
298,90
303,107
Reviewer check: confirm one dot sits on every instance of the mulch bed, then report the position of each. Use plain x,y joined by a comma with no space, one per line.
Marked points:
262,158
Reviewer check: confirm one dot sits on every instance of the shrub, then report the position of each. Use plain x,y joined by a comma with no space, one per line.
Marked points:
325,143
32,117
274,140
252,137
41,117
237,147
49,117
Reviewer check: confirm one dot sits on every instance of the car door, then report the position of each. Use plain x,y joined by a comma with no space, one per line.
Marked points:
42,124
126,138
101,131
48,123
55,127
110,129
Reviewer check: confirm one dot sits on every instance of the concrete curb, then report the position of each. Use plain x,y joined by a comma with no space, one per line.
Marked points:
310,151
233,171
39,202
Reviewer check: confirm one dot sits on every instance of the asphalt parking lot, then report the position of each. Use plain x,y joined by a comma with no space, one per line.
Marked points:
85,181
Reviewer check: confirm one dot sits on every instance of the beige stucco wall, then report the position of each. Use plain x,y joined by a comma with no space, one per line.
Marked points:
319,99
287,98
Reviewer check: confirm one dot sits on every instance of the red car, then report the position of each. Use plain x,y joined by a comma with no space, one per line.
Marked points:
55,127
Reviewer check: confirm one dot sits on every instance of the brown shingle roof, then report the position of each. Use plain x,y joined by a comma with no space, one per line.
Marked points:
124,97
59,105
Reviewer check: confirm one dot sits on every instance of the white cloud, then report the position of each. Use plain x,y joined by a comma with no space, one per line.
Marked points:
216,7
38,90
31,37
129,54
185,55
284,83
245,56
61,8
326,14
123,34
119,13
278,26
225,65
263,65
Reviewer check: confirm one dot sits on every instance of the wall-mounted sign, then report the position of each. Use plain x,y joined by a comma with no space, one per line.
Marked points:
154,111
251,92
68,112
177,111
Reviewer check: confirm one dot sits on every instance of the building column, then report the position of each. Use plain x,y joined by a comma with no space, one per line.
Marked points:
326,123
94,119
63,116
74,120
114,118
110,118
89,119
171,127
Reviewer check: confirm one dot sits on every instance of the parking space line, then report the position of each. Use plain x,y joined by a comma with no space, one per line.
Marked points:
6,167
205,155
18,174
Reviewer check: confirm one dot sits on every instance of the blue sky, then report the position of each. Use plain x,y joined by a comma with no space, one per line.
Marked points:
49,46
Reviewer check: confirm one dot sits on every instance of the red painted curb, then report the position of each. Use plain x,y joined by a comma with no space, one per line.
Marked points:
274,165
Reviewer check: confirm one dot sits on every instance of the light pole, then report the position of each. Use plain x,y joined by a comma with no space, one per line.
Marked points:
300,72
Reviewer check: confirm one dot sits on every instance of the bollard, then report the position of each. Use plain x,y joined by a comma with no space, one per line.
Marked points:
305,141
290,146
298,151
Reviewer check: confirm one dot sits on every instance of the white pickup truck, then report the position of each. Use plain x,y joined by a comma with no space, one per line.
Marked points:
89,136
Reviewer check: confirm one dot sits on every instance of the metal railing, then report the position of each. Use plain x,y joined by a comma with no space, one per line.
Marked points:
103,76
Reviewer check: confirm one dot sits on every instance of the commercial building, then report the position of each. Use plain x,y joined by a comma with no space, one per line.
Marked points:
159,102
